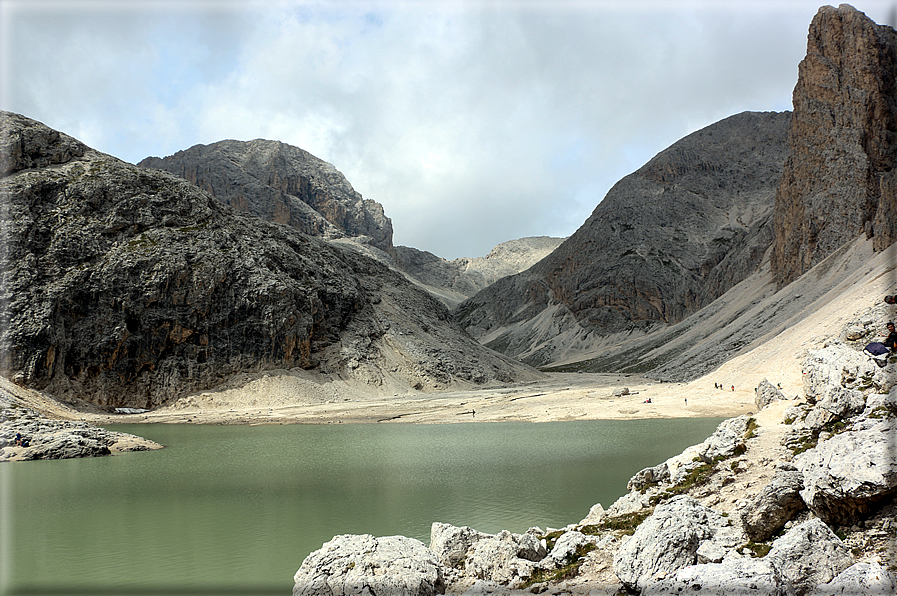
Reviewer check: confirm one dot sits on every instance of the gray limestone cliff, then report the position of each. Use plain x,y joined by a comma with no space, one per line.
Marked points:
665,242
130,286
284,184
840,179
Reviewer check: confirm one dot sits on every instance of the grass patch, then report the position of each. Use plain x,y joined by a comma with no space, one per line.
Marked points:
758,550
751,427
569,570
696,477
626,523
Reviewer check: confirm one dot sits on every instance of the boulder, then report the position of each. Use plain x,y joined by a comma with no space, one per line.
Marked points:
564,549
65,445
725,441
733,577
842,402
450,543
847,474
596,514
504,558
667,541
350,565
649,476
854,332
766,394
767,511
808,555
832,368
868,578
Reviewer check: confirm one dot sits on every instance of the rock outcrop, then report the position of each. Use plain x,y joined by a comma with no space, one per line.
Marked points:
43,438
839,180
129,286
284,184
665,241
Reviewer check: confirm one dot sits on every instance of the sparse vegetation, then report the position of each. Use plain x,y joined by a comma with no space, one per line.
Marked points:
569,570
626,523
751,427
758,550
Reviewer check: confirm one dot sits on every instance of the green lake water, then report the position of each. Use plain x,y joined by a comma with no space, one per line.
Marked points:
235,509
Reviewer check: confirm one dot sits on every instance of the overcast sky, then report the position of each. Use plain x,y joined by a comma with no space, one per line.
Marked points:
472,123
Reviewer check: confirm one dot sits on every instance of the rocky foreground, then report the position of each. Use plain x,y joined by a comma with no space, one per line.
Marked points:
797,499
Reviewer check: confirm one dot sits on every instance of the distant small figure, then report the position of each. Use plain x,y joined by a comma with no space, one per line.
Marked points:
779,385
686,401
473,412
733,387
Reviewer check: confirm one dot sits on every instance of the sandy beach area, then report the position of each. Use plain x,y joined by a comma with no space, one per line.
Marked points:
560,397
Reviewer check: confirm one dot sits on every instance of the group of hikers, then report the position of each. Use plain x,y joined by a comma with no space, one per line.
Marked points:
720,386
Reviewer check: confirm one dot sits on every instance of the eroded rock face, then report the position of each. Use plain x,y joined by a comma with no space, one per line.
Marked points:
281,183
840,179
132,287
357,565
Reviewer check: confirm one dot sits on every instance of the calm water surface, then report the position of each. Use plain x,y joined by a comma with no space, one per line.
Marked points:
235,509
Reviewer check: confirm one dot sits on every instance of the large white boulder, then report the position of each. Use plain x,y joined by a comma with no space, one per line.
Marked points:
808,555
450,543
361,565
868,578
845,475
732,577
669,540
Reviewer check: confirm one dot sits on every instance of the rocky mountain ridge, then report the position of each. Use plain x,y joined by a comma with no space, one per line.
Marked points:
283,184
666,241
129,286
839,180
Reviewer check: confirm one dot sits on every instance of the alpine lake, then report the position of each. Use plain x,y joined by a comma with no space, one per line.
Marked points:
236,509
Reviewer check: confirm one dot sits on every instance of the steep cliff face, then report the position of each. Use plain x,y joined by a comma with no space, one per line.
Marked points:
840,179
666,241
129,286
281,183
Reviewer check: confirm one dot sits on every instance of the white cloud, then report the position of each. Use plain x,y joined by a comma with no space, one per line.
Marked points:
472,122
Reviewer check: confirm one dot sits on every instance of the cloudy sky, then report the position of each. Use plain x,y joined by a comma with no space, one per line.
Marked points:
472,122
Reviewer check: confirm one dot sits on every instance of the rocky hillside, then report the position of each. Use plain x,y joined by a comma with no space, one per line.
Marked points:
284,184
455,281
840,179
665,241
130,286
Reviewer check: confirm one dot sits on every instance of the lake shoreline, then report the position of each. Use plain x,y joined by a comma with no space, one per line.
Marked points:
560,397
